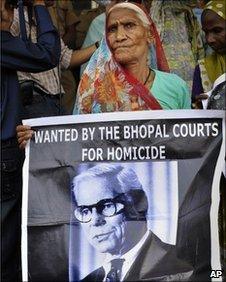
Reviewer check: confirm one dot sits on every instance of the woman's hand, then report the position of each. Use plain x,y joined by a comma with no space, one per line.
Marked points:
24,134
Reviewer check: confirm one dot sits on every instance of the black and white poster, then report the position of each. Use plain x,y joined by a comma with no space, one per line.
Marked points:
131,196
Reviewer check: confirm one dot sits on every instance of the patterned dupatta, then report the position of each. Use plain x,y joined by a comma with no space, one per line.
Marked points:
106,87
214,65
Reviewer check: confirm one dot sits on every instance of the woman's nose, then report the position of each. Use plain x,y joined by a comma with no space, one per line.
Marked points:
121,33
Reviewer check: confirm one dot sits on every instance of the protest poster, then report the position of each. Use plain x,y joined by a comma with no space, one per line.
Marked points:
177,157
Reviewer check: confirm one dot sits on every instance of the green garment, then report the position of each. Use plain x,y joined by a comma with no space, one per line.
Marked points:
171,91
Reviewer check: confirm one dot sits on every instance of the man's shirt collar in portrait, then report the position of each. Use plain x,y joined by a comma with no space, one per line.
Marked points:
129,258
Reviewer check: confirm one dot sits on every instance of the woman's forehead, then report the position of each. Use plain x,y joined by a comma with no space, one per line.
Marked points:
121,14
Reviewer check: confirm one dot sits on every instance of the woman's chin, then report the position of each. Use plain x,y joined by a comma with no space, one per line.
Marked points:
123,59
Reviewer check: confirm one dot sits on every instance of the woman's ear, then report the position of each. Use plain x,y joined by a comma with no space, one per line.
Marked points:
150,38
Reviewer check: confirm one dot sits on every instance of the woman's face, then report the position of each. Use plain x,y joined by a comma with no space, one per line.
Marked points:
215,31
128,38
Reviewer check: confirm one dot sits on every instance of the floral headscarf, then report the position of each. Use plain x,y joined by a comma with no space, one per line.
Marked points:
106,87
213,65
218,6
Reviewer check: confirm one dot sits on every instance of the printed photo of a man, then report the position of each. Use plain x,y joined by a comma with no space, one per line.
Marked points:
111,207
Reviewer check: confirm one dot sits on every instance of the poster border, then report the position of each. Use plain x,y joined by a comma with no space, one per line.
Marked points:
118,116
24,239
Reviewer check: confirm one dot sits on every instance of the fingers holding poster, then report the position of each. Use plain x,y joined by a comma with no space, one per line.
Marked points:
113,196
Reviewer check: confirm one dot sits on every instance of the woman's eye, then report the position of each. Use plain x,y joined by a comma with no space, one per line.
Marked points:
217,30
112,29
129,25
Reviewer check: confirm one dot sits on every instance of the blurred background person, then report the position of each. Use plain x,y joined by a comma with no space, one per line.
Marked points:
212,66
18,54
42,93
180,34
65,20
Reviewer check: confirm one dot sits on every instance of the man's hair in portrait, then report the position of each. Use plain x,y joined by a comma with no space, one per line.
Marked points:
129,187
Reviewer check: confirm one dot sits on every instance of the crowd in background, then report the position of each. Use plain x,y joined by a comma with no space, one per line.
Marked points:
81,26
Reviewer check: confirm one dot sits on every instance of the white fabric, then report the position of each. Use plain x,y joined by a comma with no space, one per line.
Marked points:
129,258
142,16
218,81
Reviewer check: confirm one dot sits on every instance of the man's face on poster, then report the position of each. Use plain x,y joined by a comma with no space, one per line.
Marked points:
106,233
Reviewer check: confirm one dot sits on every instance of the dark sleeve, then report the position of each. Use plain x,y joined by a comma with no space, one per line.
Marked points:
28,56
197,88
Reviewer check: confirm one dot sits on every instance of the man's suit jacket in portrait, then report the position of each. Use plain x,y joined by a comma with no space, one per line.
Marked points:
156,261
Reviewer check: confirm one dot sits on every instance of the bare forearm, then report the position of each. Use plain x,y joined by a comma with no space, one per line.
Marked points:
39,2
81,56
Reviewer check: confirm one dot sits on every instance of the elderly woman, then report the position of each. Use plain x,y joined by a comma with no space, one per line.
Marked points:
118,76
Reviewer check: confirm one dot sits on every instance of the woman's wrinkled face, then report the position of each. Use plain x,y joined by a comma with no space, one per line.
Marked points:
127,37
215,31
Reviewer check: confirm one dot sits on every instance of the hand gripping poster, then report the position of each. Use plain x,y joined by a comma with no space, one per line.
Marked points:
131,196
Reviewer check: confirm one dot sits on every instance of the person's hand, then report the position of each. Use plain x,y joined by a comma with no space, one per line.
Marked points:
24,133
6,13
198,100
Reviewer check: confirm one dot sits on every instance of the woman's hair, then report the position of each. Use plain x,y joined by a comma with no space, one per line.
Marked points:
139,12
